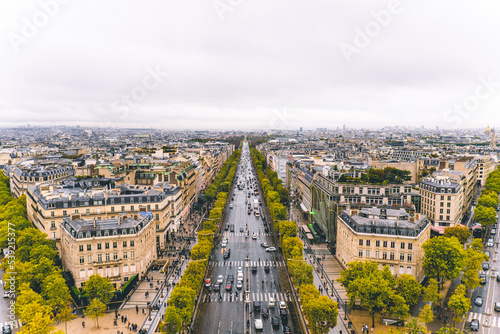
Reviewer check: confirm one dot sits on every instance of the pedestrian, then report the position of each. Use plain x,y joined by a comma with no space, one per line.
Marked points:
136,309
83,324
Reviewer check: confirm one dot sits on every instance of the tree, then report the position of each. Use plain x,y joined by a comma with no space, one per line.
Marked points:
55,291
308,291
321,314
408,287
485,215
99,287
431,292
301,272
65,314
173,321
355,270
443,258
449,330
292,248
183,299
398,307
488,201
412,327
473,261
95,310
426,315
459,304
462,233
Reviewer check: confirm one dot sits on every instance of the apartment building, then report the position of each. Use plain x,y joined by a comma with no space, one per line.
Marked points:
469,167
99,199
389,237
485,165
442,200
117,248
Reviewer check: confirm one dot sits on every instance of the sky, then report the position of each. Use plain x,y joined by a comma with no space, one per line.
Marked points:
241,64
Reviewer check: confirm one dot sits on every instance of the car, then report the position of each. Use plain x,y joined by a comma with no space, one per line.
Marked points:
264,244
249,211
258,324
226,227
220,279
231,229
266,230
498,278
270,249
239,285
266,269
284,316
216,287
208,282
227,254
287,330
275,322
254,236
474,325
6,329
478,301
6,294
490,242
224,242
485,266
493,231
497,306
240,276
256,306
482,279
271,302
229,285
231,205
487,254
240,269
282,305
265,312
230,277
254,269
242,230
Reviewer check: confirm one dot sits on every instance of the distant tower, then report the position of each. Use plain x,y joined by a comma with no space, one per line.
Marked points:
493,142
487,132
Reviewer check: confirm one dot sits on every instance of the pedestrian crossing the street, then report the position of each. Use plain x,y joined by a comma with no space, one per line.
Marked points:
241,234
244,263
14,324
485,320
254,296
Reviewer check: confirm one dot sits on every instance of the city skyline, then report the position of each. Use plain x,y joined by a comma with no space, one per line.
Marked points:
239,65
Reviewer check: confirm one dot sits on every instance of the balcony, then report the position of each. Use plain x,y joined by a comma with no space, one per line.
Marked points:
105,263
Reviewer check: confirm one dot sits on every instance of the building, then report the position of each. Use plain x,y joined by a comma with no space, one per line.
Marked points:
117,248
48,205
442,200
468,166
386,236
486,165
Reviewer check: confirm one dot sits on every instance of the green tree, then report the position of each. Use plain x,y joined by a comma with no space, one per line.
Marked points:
292,248
183,299
173,321
449,330
459,304
301,272
462,233
408,287
95,310
398,307
431,292
485,215
488,201
321,313
65,314
443,258
413,327
473,261
426,315
98,287
55,291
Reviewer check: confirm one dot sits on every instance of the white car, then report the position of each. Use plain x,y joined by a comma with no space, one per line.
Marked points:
258,324
271,249
220,279
239,285
224,242
254,237
230,206
282,305
271,302
490,242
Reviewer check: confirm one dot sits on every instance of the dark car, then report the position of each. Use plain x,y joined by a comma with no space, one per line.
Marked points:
6,329
254,269
242,230
275,322
266,230
256,306
229,285
497,306
227,254
266,268
284,316
485,266
287,330
498,278
482,279
216,287
474,325
226,227
265,312
231,228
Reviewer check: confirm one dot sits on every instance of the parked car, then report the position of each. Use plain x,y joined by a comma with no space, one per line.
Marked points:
485,266
6,329
493,231
474,325
270,249
478,301
490,242
287,330
482,279
497,306
208,282
264,244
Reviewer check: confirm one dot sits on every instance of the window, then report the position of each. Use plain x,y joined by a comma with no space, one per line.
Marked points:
76,211
112,209
82,260
361,242
402,256
409,258
408,270
442,198
52,213
52,225
80,248
125,268
360,253
123,208
115,256
156,206
89,247
131,208
392,256
115,244
401,269
132,254
440,217
441,204
402,245
410,246
65,213
99,257
107,256
447,217
448,211
157,216
89,258
124,244
393,244
377,243
384,255
368,253
87,211
449,198
131,243
99,246
368,242
440,210
448,205
82,273
377,254
125,255
106,245
385,244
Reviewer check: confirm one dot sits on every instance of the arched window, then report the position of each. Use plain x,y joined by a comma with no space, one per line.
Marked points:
82,273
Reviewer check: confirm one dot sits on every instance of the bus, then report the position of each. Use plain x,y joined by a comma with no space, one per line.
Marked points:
477,231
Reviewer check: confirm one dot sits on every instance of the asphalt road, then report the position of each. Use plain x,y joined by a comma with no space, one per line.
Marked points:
489,319
5,304
226,313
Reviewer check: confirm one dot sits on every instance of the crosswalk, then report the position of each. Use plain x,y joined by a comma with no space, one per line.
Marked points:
241,234
492,320
254,296
244,263
14,324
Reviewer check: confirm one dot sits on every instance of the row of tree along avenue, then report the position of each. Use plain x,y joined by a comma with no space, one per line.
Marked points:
182,299
320,311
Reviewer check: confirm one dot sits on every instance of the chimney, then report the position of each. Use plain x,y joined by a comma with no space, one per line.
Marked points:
412,219
95,225
74,217
136,217
417,216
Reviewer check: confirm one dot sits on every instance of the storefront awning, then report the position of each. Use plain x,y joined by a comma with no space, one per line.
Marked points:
303,207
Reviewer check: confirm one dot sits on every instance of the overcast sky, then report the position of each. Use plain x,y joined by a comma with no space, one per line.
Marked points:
246,64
